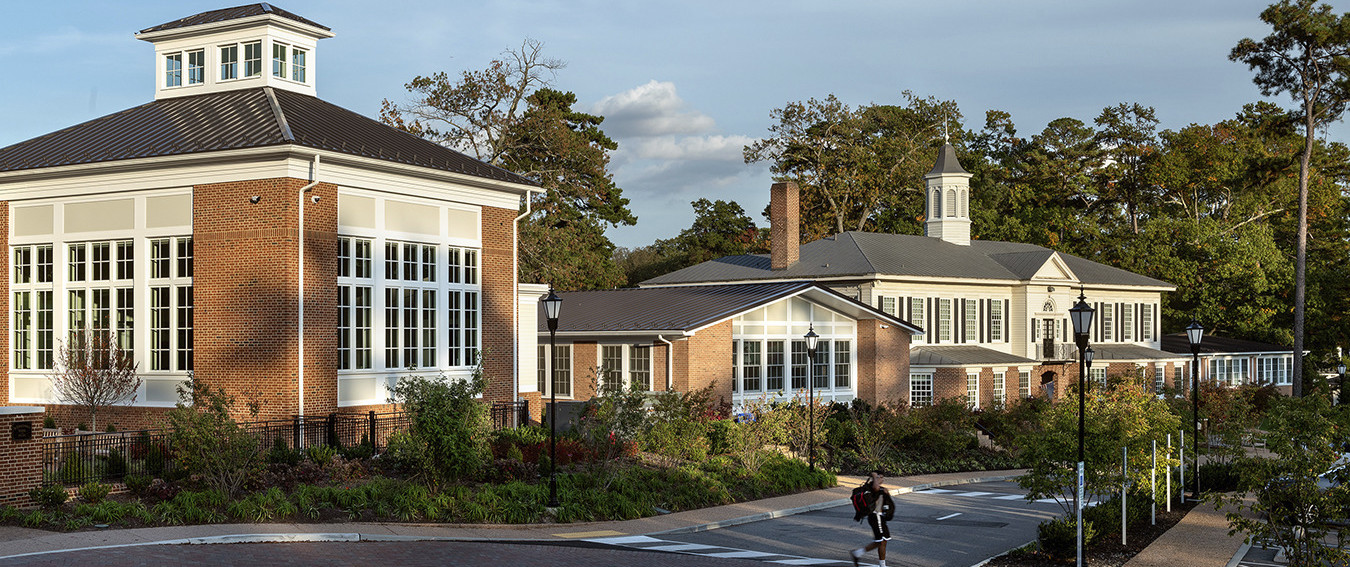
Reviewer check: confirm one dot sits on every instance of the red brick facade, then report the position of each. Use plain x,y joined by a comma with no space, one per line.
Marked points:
20,461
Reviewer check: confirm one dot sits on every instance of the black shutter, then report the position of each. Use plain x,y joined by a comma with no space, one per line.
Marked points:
1007,318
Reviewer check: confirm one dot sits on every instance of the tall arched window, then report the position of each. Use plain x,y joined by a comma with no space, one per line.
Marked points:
951,202
965,203
935,205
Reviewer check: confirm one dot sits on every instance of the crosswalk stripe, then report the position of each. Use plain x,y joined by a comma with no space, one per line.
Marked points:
738,554
1010,497
973,494
680,547
933,491
625,540
805,561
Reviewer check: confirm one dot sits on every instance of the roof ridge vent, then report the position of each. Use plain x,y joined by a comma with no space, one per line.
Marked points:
280,116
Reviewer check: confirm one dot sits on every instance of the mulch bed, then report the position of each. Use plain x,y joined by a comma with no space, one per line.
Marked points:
1108,551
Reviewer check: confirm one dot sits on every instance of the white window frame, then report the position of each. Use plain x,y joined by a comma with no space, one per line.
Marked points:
920,389
251,66
299,65
1001,388
282,62
973,390
996,321
562,375
229,63
1024,383
173,70
944,320
194,73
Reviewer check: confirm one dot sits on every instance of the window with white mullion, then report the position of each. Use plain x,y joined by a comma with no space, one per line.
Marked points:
462,307
253,59
611,367
391,328
279,60
920,390
196,67
170,301
820,368
843,368
298,64
229,62
184,330
640,366
173,70
22,322
160,324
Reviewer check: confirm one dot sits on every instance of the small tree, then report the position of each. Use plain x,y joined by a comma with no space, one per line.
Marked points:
1283,501
448,424
206,441
93,372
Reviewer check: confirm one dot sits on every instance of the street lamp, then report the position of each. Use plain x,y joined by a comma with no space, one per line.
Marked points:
1194,333
1340,389
811,338
1081,317
552,305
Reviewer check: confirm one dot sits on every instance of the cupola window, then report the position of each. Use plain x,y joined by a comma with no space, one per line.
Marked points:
253,59
173,70
279,60
298,64
229,62
196,67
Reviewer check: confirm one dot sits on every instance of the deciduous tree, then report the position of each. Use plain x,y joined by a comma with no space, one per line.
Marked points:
94,372
1307,55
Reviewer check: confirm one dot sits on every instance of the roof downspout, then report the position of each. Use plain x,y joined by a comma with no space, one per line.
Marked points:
670,362
515,301
300,332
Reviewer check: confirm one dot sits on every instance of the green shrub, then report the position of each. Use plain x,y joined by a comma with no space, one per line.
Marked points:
321,455
1059,537
138,483
208,442
1219,477
110,428
116,465
361,451
94,492
75,469
513,454
721,436
156,460
48,422
449,423
282,454
50,496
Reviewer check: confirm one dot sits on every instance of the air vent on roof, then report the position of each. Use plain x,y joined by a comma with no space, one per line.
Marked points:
266,7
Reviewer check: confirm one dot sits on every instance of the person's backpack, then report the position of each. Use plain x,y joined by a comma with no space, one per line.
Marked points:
861,507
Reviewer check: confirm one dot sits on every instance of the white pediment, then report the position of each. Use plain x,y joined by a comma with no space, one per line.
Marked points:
1055,269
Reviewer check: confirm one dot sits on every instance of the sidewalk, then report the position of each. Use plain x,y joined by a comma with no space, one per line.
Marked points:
1200,540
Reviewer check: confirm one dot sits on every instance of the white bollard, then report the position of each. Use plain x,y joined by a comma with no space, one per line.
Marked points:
1181,470
1153,486
1124,486
1169,474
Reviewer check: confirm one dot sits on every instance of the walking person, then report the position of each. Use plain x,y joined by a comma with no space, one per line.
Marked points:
879,510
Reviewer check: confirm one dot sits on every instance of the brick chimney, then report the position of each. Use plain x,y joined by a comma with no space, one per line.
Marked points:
784,225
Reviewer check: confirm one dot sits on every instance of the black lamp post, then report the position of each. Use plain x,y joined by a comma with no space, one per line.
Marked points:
552,305
1081,317
1340,389
1194,333
811,338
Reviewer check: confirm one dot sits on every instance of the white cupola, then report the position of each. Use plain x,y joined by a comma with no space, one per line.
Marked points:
251,46
947,199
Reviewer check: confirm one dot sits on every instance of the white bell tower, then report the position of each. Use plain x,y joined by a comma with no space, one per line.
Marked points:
947,199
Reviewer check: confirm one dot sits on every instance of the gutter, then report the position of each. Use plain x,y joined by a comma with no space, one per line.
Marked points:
515,300
300,332
670,362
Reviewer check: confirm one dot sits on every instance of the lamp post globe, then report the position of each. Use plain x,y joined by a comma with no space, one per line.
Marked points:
552,307
1195,332
811,338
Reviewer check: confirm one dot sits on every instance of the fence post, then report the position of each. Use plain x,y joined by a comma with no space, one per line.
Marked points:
1181,470
1124,484
1153,487
370,426
332,430
1169,474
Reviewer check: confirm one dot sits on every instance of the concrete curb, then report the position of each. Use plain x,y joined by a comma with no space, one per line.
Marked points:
1241,553
822,506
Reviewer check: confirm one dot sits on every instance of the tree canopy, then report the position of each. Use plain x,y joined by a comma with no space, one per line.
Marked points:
509,115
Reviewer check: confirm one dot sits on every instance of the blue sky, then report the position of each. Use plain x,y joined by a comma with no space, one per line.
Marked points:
686,84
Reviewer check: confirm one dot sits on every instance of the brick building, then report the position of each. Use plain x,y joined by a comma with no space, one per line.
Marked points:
243,230
995,314
746,341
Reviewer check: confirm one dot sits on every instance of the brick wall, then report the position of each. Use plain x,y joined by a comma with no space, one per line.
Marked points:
499,304
245,290
949,383
585,359
20,461
784,225
705,359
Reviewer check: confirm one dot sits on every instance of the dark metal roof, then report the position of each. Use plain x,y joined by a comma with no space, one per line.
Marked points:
233,120
1213,344
864,254
662,309
688,308
1106,352
962,356
234,13
946,162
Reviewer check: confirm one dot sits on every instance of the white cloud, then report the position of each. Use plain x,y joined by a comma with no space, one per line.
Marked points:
649,110
696,148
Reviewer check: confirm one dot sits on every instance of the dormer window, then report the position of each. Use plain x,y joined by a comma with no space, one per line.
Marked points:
173,70
298,64
229,62
253,59
279,60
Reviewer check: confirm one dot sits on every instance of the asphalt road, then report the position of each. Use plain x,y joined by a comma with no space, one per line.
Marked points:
955,527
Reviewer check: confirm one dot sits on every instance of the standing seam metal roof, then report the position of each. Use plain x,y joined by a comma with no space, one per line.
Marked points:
662,309
234,120
868,253
235,13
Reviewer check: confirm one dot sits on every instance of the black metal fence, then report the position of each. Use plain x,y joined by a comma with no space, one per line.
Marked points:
509,415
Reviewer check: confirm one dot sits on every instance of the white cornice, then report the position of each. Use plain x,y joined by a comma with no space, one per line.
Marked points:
230,165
